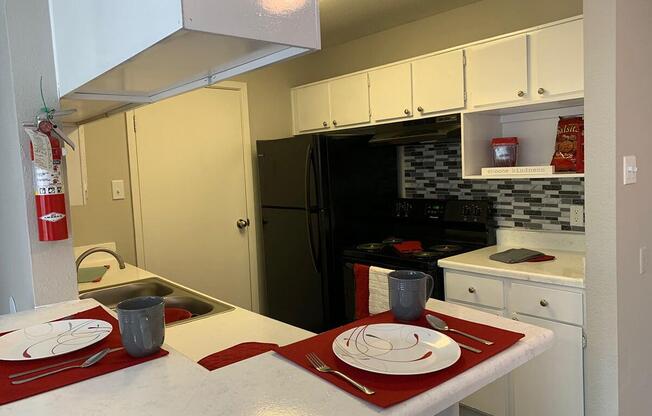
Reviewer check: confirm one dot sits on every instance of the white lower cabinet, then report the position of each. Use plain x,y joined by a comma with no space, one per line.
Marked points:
492,399
550,384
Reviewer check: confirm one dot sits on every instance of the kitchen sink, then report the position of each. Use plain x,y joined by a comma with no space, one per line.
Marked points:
173,295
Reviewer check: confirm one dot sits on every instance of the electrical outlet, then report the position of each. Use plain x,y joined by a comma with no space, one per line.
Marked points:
577,215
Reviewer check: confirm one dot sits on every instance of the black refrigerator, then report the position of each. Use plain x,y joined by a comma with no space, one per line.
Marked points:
319,194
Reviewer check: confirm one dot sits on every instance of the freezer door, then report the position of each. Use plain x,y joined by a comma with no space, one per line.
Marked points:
282,168
294,286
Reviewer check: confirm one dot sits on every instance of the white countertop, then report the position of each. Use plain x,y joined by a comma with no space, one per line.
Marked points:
264,385
567,269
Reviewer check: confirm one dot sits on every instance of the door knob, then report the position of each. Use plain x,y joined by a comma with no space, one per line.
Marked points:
242,224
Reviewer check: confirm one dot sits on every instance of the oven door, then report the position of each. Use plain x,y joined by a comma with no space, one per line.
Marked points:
349,279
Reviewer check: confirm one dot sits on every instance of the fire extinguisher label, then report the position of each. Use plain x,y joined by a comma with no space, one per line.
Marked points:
49,183
52,217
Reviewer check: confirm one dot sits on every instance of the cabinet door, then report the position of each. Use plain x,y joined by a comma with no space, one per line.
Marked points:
390,92
350,100
498,71
312,107
438,83
493,398
552,383
558,60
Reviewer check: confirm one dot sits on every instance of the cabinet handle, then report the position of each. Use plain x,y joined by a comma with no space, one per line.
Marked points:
420,109
521,93
334,122
325,124
471,289
407,112
541,91
543,303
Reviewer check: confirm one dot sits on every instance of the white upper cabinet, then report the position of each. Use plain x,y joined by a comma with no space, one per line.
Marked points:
312,107
438,83
558,60
390,92
350,100
498,71
128,52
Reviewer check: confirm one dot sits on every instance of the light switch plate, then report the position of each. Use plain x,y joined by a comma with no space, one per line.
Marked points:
118,189
577,215
629,170
643,260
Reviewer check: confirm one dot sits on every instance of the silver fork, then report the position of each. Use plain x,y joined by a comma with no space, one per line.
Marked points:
323,368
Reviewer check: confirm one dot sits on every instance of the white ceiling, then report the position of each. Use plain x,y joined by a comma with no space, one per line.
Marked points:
344,20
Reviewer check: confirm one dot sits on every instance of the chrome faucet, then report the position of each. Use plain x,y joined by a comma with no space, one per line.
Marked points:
90,251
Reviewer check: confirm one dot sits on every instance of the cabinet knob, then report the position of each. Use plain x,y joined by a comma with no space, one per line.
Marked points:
325,124
543,303
521,93
514,318
471,289
420,109
407,112
541,91
334,122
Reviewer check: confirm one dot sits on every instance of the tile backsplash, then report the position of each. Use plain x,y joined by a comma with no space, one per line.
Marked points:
435,171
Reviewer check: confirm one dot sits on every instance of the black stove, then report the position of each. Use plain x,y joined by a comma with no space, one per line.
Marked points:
443,227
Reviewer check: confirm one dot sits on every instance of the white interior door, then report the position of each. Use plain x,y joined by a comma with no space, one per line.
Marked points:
191,166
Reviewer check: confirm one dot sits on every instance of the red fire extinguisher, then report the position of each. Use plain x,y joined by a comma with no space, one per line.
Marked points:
49,189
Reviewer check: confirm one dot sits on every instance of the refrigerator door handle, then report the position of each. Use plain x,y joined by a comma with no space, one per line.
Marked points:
308,207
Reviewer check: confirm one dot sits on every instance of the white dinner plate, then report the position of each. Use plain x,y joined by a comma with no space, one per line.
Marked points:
52,338
396,349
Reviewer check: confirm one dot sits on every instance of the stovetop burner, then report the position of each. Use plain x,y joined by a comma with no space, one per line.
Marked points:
393,240
445,248
370,246
425,254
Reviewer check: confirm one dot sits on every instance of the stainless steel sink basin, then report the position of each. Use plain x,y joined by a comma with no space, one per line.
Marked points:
173,295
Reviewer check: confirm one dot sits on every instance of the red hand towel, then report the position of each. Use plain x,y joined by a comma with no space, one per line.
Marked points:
361,274
408,246
234,354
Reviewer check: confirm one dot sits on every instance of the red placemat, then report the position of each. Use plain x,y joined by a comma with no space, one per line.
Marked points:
234,354
112,362
390,389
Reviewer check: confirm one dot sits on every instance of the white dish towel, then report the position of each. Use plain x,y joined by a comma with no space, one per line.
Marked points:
378,290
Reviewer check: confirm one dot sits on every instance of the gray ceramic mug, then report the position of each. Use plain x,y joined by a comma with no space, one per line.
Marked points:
408,293
142,325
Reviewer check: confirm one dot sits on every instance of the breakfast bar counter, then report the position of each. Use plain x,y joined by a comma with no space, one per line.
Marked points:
267,384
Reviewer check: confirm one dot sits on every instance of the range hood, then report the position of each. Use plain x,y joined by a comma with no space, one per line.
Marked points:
112,55
442,129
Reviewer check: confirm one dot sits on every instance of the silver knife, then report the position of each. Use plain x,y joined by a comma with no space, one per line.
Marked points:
466,347
46,367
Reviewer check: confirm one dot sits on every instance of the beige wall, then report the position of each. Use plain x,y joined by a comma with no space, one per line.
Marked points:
102,219
268,88
634,204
